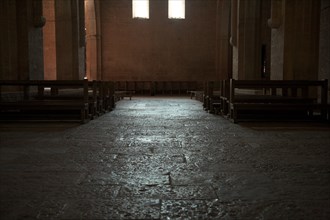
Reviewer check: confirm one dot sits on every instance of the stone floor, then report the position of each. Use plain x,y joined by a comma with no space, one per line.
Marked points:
164,158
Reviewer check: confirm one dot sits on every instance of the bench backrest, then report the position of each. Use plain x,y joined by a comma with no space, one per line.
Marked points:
282,88
54,85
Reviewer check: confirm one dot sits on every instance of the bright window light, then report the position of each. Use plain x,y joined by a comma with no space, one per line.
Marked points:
140,9
176,9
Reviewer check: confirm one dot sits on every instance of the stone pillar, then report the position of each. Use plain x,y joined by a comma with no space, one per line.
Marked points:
70,60
277,46
82,39
233,23
249,55
36,58
233,38
295,39
8,40
49,40
224,50
22,19
91,40
265,40
248,39
324,62
98,38
21,39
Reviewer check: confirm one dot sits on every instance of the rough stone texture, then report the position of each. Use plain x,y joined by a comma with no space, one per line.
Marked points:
164,158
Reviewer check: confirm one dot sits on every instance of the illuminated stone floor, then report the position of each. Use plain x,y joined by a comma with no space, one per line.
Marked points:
164,158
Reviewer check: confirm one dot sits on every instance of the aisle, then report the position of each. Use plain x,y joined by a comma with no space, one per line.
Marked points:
164,158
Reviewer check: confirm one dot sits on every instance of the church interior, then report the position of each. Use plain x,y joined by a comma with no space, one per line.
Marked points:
164,109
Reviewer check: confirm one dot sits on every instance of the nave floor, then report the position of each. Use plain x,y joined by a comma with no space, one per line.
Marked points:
164,158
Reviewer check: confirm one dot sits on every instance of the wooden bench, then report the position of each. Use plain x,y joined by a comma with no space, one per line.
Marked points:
58,92
211,100
32,100
278,100
197,94
177,88
224,98
122,94
214,102
108,90
102,97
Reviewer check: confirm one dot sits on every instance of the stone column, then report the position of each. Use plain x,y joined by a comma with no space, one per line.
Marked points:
224,50
233,23
36,41
8,40
324,62
69,46
248,39
301,39
49,40
22,8
82,39
249,55
21,39
295,41
98,39
91,40
277,46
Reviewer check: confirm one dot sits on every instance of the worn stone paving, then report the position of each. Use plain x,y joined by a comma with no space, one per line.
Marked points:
164,158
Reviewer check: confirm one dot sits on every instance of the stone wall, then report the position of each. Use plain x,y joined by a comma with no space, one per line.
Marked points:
158,48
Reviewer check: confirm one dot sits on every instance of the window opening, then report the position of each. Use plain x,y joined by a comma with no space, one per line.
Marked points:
140,9
176,9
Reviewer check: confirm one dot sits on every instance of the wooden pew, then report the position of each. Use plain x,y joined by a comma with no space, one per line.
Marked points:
151,88
278,100
197,94
104,95
224,97
108,95
96,96
211,102
208,90
214,103
33,90
122,94
101,98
